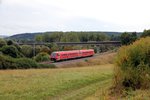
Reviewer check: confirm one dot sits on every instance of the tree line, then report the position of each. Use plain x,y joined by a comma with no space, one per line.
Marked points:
71,37
125,37
130,37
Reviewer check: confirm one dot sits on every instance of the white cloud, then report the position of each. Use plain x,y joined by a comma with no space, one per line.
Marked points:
63,15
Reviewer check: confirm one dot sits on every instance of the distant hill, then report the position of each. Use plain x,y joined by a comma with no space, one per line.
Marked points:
24,36
3,36
31,36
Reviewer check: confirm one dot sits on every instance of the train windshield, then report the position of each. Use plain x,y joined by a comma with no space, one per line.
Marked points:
53,54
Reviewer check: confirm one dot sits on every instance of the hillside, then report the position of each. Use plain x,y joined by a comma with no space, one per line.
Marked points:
30,36
24,36
3,36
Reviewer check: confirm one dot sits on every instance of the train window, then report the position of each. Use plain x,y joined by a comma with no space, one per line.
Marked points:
58,54
53,54
64,54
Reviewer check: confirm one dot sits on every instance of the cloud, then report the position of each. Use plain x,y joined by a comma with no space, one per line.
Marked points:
0,2
18,16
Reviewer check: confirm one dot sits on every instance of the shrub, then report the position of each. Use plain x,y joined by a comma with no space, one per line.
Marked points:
37,49
45,49
17,46
42,57
7,62
26,63
27,51
128,38
2,42
10,50
133,65
10,42
54,47
145,33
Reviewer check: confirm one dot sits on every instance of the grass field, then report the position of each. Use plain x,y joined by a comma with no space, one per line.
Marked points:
63,83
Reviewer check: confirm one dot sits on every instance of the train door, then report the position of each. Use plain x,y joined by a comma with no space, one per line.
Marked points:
58,56
80,53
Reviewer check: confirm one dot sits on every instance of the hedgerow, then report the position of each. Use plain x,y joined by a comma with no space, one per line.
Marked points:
11,51
7,62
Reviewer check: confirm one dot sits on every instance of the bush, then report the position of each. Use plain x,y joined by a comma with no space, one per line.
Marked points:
128,38
45,49
27,51
37,50
145,33
10,42
2,42
7,62
42,57
10,50
133,65
17,46
26,63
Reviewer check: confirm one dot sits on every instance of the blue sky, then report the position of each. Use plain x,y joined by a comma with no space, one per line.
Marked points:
20,16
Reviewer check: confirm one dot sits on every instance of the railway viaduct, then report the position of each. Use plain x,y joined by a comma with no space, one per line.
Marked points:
99,45
114,43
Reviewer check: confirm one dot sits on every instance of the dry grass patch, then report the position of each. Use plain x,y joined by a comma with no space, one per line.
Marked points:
64,83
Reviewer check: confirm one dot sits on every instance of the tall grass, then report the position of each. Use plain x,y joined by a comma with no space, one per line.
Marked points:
53,84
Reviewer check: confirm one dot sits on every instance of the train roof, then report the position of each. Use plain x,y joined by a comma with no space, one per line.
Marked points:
73,51
66,51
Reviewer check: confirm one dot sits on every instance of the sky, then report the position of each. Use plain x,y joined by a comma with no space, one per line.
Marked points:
21,16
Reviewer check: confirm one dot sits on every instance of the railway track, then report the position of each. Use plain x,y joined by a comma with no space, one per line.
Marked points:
65,62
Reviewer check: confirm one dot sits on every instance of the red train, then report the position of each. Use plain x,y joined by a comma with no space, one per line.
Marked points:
64,55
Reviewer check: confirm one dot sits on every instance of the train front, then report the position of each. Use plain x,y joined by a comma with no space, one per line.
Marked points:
53,56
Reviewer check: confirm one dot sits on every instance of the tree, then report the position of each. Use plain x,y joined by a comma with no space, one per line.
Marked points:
42,57
10,42
2,42
70,37
84,37
125,38
39,38
46,37
102,37
92,37
54,47
27,51
56,36
115,37
133,36
10,50
128,38
37,49
45,49
145,33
